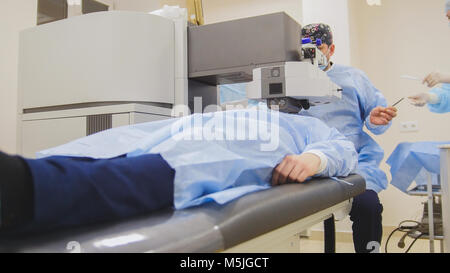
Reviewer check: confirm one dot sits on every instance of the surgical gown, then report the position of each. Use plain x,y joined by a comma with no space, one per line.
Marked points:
444,99
349,115
220,156
412,161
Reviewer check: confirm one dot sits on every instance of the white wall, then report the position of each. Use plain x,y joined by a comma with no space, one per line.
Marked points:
220,10
335,14
15,15
136,5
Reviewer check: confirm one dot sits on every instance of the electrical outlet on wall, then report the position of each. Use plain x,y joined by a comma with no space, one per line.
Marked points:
409,126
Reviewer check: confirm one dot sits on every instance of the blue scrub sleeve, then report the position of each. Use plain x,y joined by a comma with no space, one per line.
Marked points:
444,99
340,152
370,98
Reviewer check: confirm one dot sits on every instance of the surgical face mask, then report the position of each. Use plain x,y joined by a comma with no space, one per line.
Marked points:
324,64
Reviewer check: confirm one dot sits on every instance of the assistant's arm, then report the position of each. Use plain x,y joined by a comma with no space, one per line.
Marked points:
443,94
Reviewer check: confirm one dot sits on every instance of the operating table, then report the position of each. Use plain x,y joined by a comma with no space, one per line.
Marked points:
239,226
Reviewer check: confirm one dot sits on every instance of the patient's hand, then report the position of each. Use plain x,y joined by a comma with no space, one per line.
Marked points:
296,169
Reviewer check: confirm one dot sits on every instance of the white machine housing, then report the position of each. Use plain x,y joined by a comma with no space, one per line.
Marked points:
96,58
98,71
298,80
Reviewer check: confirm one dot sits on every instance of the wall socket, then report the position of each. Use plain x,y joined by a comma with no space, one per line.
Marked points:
409,126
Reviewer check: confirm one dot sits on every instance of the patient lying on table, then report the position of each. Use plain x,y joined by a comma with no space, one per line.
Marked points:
182,162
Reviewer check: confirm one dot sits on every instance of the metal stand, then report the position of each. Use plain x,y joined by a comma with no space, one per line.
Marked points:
430,194
430,212
330,235
445,179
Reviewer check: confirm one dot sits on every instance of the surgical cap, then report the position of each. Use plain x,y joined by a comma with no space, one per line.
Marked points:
447,6
318,31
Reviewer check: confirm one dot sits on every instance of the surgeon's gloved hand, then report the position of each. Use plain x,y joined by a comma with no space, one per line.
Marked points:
382,115
296,169
422,99
436,78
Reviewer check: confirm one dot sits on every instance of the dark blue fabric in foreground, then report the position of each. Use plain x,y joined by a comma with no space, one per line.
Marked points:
77,191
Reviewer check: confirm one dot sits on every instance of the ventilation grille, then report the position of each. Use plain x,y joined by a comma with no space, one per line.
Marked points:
98,123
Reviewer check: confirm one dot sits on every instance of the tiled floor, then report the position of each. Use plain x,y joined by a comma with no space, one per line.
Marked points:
344,244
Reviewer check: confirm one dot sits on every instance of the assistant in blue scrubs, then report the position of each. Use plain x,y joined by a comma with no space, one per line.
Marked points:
438,99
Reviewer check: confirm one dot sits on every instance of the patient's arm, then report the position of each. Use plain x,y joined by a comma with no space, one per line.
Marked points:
327,153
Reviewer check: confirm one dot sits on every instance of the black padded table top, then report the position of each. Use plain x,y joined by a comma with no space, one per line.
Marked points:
208,228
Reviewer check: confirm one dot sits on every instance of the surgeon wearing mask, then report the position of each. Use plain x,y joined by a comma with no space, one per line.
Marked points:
438,99
361,104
